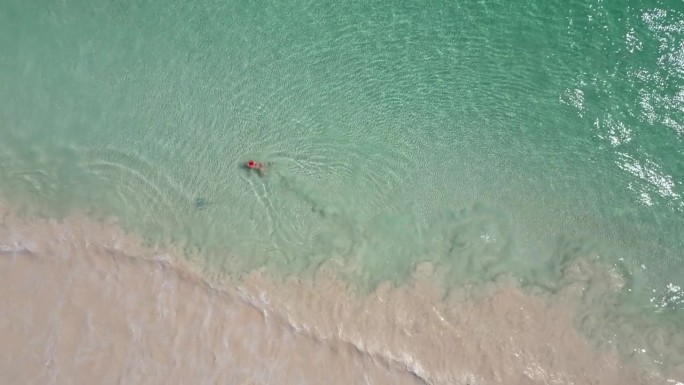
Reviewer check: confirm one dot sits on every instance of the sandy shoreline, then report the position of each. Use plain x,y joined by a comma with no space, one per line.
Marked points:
86,302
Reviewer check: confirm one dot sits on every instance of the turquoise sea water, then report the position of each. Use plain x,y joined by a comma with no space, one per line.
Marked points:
486,137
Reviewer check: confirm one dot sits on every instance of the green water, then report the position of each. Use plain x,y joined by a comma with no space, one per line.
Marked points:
487,137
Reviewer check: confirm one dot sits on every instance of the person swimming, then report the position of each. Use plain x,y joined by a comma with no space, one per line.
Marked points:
260,167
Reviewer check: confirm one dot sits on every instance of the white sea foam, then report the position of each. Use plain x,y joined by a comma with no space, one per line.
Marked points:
116,311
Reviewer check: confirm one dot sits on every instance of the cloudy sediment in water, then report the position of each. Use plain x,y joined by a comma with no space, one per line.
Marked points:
455,192
84,301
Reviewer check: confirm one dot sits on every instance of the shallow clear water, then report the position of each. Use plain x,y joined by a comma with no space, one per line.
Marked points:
486,138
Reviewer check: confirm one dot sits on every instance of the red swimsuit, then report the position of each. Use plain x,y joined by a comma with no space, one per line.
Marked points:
256,165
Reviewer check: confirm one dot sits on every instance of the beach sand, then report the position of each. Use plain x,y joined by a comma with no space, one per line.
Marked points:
85,302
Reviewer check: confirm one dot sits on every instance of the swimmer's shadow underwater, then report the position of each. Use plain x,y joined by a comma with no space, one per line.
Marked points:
201,203
251,166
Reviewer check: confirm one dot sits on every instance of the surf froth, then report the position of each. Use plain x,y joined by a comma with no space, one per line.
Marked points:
85,300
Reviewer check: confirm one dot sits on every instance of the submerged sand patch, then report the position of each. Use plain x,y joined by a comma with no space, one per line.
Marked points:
85,302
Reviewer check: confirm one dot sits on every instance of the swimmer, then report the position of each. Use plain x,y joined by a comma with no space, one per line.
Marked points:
260,167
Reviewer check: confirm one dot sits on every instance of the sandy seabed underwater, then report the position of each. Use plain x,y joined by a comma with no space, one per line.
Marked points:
85,302
458,192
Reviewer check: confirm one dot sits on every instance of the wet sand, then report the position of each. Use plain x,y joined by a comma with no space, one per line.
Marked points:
84,302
